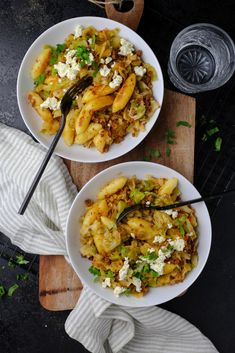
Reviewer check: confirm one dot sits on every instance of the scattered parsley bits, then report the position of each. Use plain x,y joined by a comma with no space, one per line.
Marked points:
2,291
12,290
212,131
168,151
20,260
22,277
94,271
84,55
183,123
39,80
170,137
110,274
154,273
218,143
55,52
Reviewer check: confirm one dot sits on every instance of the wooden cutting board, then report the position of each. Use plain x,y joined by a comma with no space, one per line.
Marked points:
59,286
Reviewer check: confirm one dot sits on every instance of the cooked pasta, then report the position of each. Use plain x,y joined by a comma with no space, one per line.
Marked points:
147,248
119,101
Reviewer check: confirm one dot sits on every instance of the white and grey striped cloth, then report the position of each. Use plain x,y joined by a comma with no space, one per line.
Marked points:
100,326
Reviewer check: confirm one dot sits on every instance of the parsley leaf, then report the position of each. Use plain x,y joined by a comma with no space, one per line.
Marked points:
12,289
146,268
39,80
218,143
168,151
55,53
110,274
154,273
94,271
22,277
137,275
20,260
170,136
212,131
83,54
2,291
183,123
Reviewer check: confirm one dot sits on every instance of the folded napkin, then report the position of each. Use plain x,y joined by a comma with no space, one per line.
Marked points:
99,325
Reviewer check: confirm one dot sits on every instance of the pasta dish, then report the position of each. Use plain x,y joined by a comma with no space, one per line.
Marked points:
148,248
119,101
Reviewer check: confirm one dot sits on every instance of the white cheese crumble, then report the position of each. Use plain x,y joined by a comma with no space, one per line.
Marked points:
52,103
178,244
113,64
158,264
124,270
102,61
126,47
158,239
137,283
140,70
91,57
147,203
169,225
118,290
70,68
70,56
151,250
106,283
90,41
116,81
108,60
104,71
78,31
172,213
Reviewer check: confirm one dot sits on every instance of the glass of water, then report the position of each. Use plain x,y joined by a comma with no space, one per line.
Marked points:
202,58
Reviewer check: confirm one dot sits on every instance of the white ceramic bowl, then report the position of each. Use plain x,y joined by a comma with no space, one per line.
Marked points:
156,295
55,35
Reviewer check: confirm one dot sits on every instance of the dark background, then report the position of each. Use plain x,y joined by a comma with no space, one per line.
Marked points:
25,326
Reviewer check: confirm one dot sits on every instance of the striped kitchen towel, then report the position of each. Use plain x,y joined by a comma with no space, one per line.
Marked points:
99,325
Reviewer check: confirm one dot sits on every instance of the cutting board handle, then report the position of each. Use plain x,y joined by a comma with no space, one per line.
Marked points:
130,18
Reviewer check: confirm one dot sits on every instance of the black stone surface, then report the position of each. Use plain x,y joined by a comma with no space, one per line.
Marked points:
25,326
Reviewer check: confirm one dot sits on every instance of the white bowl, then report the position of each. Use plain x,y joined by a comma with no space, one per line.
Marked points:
158,295
55,35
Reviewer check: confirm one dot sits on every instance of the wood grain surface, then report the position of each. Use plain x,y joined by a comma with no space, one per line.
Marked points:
59,287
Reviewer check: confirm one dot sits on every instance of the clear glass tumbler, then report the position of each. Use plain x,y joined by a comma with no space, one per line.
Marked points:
202,58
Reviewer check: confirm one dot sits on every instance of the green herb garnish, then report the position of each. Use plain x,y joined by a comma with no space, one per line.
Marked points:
168,151
170,136
123,250
181,228
12,289
218,143
40,79
127,291
212,131
11,264
146,268
55,53
20,260
155,153
137,275
93,38
154,273
94,271
83,54
183,123
110,274
23,277
2,291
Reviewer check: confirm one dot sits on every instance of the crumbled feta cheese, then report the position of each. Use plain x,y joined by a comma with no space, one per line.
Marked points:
116,81
104,71
70,68
91,57
140,70
137,283
106,283
69,56
169,225
52,103
126,47
59,81
158,239
118,290
61,68
169,212
157,266
174,214
90,41
147,203
113,64
124,270
151,250
108,60
178,244
102,61
78,31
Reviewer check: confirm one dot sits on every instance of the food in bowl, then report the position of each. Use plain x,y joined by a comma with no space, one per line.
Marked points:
120,100
148,248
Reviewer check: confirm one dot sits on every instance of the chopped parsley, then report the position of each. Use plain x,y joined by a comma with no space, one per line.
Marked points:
20,260
123,250
83,54
55,53
218,143
170,137
154,273
168,151
94,271
12,290
146,268
110,274
2,291
39,80
151,256
212,131
183,123
137,275
22,277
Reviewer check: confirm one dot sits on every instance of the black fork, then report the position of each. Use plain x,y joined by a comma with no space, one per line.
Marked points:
65,106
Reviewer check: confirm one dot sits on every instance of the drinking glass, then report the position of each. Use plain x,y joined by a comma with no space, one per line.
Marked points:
202,58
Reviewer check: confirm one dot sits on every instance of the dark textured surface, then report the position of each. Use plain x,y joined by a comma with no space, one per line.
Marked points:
209,304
